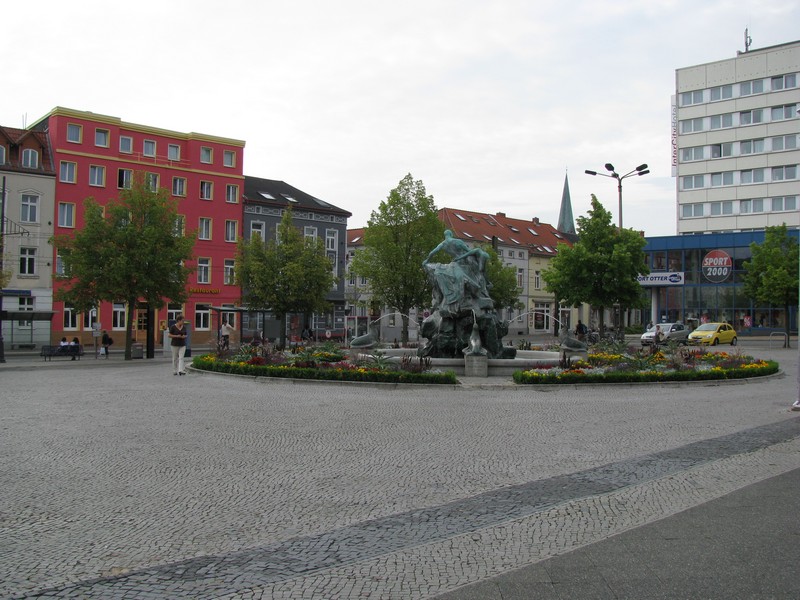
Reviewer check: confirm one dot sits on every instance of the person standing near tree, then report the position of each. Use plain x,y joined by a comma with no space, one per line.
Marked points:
178,334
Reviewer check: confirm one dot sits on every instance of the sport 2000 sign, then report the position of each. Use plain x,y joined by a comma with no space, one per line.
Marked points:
717,266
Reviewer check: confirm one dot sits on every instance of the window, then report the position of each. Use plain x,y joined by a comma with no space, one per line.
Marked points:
27,261
722,92
204,230
749,117
230,231
752,176
691,154
722,121
229,273
692,210
66,214
97,176
783,82
718,179
784,173
310,233
751,206
174,152
228,158
178,186
149,148
537,280
101,137
179,227
232,193
692,182
206,155
748,88
124,179
520,276
257,227
90,318
60,270
202,317
118,316
784,203
173,310
25,304
29,209
70,317
74,133
751,146
721,150
692,125
66,172
784,142
787,111
152,181
721,208
203,270
30,158
206,190
689,98
125,144
2,155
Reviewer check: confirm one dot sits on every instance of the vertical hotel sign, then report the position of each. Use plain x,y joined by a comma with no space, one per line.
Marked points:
674,135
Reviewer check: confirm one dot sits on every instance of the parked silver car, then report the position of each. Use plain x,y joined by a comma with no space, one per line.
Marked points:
671,332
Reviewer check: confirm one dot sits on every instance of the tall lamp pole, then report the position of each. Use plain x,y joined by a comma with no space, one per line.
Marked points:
640,170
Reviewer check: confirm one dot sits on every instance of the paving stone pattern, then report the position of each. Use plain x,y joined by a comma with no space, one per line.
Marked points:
122,481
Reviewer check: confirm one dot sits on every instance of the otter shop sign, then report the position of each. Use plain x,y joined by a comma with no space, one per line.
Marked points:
661,279
717,266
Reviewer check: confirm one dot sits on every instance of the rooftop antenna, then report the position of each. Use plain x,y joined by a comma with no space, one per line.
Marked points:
747,41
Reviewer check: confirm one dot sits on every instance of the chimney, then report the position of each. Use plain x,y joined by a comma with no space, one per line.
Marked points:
535,220
501,214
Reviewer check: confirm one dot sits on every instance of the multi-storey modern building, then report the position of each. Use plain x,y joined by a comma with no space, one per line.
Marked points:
97,155
735,157
265,202
735,141
28,188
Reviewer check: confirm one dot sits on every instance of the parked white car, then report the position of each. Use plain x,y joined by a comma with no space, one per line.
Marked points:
671,332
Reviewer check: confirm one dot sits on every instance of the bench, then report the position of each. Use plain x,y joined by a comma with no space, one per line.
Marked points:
74,352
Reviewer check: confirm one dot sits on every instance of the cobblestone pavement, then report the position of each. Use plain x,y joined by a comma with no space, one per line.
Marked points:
120,480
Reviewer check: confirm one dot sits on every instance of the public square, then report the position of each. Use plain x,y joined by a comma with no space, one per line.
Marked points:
120,480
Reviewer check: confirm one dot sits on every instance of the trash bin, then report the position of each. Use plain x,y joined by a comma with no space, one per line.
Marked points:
137,350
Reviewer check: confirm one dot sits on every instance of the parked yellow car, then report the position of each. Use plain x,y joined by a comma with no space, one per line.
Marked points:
713,334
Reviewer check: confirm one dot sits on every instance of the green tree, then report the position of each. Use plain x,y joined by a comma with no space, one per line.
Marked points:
601,268
501,281
771,274
128,251
290,274
398,237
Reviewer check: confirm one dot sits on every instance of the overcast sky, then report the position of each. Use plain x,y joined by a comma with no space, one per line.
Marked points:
490,104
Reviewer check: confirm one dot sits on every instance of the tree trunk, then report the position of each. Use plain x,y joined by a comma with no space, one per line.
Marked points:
129,328
404,331
787,343
282,338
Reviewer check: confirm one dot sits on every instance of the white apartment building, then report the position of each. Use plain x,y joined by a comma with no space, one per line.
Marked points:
735,129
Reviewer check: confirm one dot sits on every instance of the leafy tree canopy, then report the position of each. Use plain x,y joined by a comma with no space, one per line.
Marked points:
602,267
398,237
127,251
290,274
771,275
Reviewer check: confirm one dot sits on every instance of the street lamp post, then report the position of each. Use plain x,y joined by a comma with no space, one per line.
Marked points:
640,170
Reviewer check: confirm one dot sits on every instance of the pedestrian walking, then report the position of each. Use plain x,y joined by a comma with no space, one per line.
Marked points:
227,331
178,334
106,343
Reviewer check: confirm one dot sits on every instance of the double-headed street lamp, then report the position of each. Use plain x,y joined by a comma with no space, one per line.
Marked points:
640,170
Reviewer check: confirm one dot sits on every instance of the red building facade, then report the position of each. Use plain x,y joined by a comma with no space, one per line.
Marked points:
97,156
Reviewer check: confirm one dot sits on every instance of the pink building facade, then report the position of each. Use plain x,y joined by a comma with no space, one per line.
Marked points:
97,156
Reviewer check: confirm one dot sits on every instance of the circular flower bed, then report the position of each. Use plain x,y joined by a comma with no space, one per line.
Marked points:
326,362
672,363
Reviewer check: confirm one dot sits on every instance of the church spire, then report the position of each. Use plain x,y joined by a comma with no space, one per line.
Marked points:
565,220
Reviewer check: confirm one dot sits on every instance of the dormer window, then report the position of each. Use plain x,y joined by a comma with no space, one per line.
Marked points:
30,159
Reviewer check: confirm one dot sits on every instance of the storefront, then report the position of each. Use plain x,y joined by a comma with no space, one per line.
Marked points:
699,279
